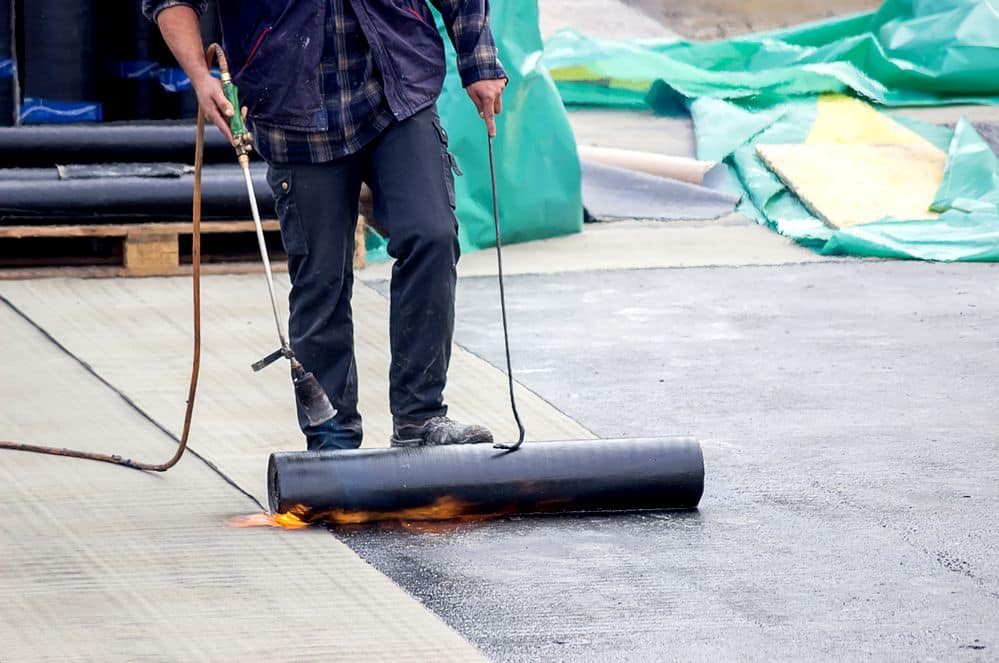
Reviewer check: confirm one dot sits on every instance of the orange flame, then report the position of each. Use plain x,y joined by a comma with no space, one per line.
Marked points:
443,508
283,520
447,508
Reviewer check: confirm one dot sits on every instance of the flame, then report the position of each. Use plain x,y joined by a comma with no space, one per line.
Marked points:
283,520
443,508
448,509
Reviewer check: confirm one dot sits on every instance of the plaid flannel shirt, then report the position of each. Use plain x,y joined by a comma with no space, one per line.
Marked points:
354,97
353,91
359,111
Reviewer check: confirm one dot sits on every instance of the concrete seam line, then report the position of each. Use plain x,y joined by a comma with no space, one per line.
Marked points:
518,382
89,369
644,268
530,391
831,261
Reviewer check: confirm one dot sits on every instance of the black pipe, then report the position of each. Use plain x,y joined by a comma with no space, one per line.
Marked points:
431,483
43,146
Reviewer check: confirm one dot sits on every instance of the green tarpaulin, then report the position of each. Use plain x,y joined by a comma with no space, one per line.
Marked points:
968,228
968,197
763,89
909,52
537,167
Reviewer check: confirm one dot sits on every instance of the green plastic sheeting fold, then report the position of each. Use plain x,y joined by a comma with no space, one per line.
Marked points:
762,88
968,228
537,167
908,53
968,197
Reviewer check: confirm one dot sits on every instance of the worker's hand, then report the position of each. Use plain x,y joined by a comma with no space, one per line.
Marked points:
487,97
215,106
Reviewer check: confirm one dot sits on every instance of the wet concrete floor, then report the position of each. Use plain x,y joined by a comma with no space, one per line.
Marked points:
847,414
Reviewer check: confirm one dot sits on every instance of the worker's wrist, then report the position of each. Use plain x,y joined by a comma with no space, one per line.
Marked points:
200,79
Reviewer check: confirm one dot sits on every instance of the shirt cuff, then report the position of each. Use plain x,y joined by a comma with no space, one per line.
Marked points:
152,9
482,71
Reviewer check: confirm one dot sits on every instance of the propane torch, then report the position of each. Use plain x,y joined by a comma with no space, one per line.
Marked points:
310,394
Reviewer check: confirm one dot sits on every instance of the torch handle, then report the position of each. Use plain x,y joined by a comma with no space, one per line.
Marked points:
231,93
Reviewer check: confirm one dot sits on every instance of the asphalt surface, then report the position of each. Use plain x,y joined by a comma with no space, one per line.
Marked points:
848,419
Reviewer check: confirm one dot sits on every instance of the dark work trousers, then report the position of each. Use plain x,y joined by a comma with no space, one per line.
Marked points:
409,172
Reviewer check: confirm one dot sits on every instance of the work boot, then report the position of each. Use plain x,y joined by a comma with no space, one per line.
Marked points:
438,431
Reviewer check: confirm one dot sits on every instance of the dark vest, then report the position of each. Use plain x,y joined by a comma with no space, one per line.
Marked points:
274,48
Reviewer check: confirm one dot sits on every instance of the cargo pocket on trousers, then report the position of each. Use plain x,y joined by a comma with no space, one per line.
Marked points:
449,164
292,232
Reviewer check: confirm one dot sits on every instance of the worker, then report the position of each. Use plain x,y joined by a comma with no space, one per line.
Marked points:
340,92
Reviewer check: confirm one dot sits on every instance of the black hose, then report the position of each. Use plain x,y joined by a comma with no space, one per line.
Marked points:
506,333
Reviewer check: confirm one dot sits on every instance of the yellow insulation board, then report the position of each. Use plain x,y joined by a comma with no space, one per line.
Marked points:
859,166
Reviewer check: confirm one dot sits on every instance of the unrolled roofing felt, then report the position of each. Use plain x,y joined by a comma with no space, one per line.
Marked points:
610,192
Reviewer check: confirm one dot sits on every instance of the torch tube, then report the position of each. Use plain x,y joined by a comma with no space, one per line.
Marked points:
358,485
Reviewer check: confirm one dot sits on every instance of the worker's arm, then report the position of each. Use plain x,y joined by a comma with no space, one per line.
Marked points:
178,22
467,23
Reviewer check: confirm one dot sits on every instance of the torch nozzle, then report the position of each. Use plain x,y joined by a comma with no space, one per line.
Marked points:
311,396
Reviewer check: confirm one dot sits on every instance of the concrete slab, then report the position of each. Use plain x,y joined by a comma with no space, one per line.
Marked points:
135,333
733,240
610,19
851,508
634,130
102,563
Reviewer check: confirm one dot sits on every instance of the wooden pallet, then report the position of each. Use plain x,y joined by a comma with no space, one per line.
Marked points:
146,249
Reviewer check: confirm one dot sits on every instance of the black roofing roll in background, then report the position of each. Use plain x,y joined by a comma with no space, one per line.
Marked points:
41,197
128,87
44,146
361,485
6,63
59,49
